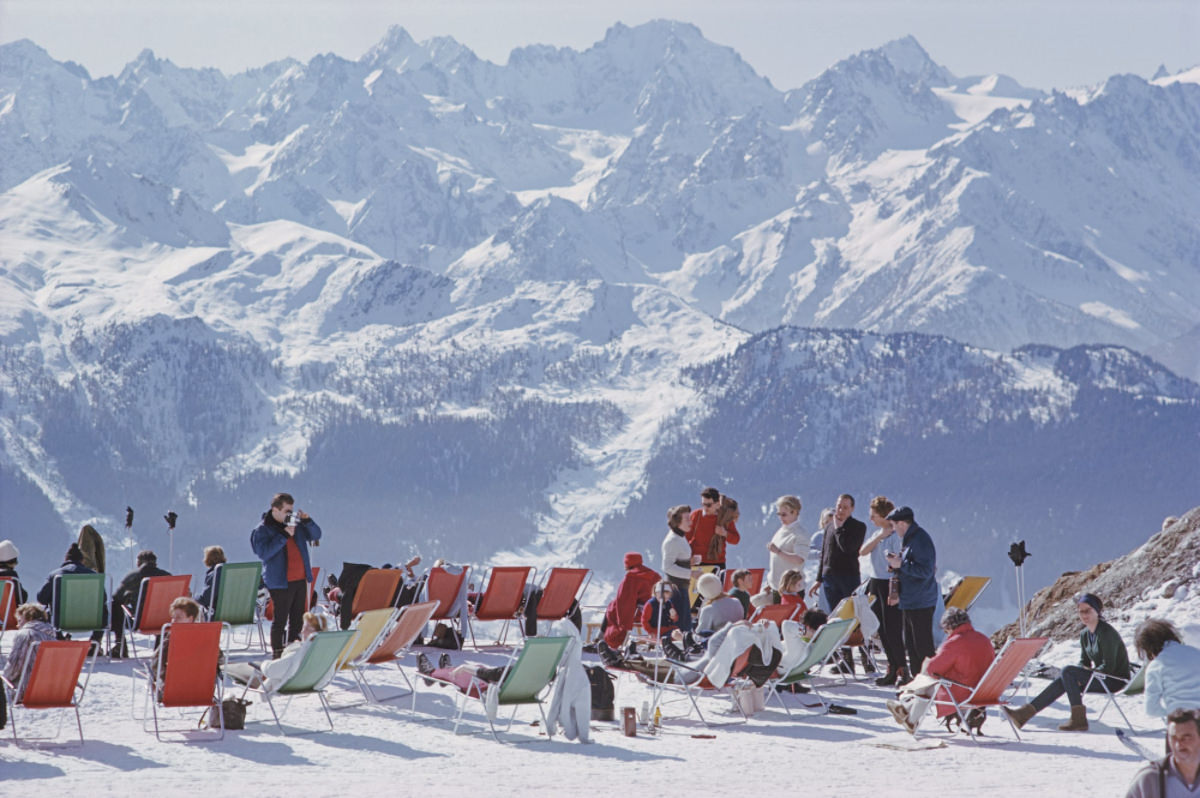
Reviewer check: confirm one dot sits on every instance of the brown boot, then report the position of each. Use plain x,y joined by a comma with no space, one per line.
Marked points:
1021,715
1078,721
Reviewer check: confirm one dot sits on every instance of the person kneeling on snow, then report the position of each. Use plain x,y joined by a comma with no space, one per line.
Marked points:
963,658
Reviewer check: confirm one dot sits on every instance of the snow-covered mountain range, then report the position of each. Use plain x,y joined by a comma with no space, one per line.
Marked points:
512,312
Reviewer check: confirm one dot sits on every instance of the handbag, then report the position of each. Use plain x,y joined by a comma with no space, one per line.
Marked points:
751,699
234,710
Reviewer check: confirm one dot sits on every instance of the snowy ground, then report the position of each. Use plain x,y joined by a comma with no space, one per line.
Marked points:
416,754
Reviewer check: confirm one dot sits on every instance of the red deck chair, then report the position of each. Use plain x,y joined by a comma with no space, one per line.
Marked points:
562,591
399,640
8,604
443,587
999,676
776,613
502,600
312,586
702,687
756,579
376,590
190,680
50,681
153,608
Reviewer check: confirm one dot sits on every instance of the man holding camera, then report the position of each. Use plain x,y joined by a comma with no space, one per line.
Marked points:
281,541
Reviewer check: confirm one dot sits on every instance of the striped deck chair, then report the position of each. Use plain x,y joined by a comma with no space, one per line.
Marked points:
823,644
502,600
994,683
50,679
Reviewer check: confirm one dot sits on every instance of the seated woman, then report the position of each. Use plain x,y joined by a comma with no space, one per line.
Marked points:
274,672
1172,670
8,567
963,657
72,564
1102,651
719,607
659,614
213,556
33,627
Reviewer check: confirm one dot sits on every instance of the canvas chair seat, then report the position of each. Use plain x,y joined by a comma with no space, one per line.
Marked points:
391,647
235,601
968,592
50,679
318,665
189,678
826,641
153,607
502,600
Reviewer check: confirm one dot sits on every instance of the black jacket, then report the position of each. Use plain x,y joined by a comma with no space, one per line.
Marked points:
839,549
131,584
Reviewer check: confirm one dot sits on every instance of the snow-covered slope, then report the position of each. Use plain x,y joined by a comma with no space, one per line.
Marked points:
472,308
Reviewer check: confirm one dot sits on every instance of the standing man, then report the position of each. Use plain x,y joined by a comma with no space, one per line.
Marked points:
281,541
838,574
1179,773
708,538
916,565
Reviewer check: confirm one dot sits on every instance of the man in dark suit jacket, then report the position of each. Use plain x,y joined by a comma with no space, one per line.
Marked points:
127,595
838,574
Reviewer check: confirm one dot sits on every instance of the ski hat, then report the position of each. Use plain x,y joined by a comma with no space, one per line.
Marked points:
632,559
8,551
709,586
1092,600
901,514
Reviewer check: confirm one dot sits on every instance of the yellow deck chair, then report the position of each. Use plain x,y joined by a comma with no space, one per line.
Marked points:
968,591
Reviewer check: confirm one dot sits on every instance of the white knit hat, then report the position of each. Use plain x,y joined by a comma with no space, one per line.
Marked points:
708,586
8,551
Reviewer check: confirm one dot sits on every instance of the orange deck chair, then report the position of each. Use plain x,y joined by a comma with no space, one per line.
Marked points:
8,604
50,681
395,646
998,678
312,586
562,590
376,590
153,608
443,587
502,600
190,677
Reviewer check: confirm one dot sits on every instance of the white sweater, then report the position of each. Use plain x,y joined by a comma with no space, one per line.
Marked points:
675,547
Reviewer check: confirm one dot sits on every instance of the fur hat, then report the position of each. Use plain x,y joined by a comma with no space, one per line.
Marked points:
901,514
763,599
709,586
74,553
8,551
632,558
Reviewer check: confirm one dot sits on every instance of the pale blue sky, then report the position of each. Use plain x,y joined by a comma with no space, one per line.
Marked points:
1046,43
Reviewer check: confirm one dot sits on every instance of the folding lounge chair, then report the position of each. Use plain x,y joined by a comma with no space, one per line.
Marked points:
376,590
823,644
235,600
444,587
562,591
77,604
502,600
372,627
998,678
50,680
320,660
703,686
525,678
8,604
968,592
189,678
391,648
843,611
153,608
776,613
756,578
1132,686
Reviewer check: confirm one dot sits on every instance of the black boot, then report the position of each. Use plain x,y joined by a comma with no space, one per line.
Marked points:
424,666
888,679
444,659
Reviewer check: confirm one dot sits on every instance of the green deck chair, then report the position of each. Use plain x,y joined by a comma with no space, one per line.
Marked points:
77,605
321,657
235,600
827,638
523,681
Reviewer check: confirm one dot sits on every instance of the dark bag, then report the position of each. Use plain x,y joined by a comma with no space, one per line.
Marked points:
756,670
234,710
446,636
603,692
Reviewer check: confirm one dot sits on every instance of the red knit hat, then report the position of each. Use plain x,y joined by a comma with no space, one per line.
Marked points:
632,558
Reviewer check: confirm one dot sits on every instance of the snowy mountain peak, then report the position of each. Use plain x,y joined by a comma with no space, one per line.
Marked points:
908,57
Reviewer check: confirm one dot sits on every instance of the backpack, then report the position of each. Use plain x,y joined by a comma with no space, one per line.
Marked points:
603,692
